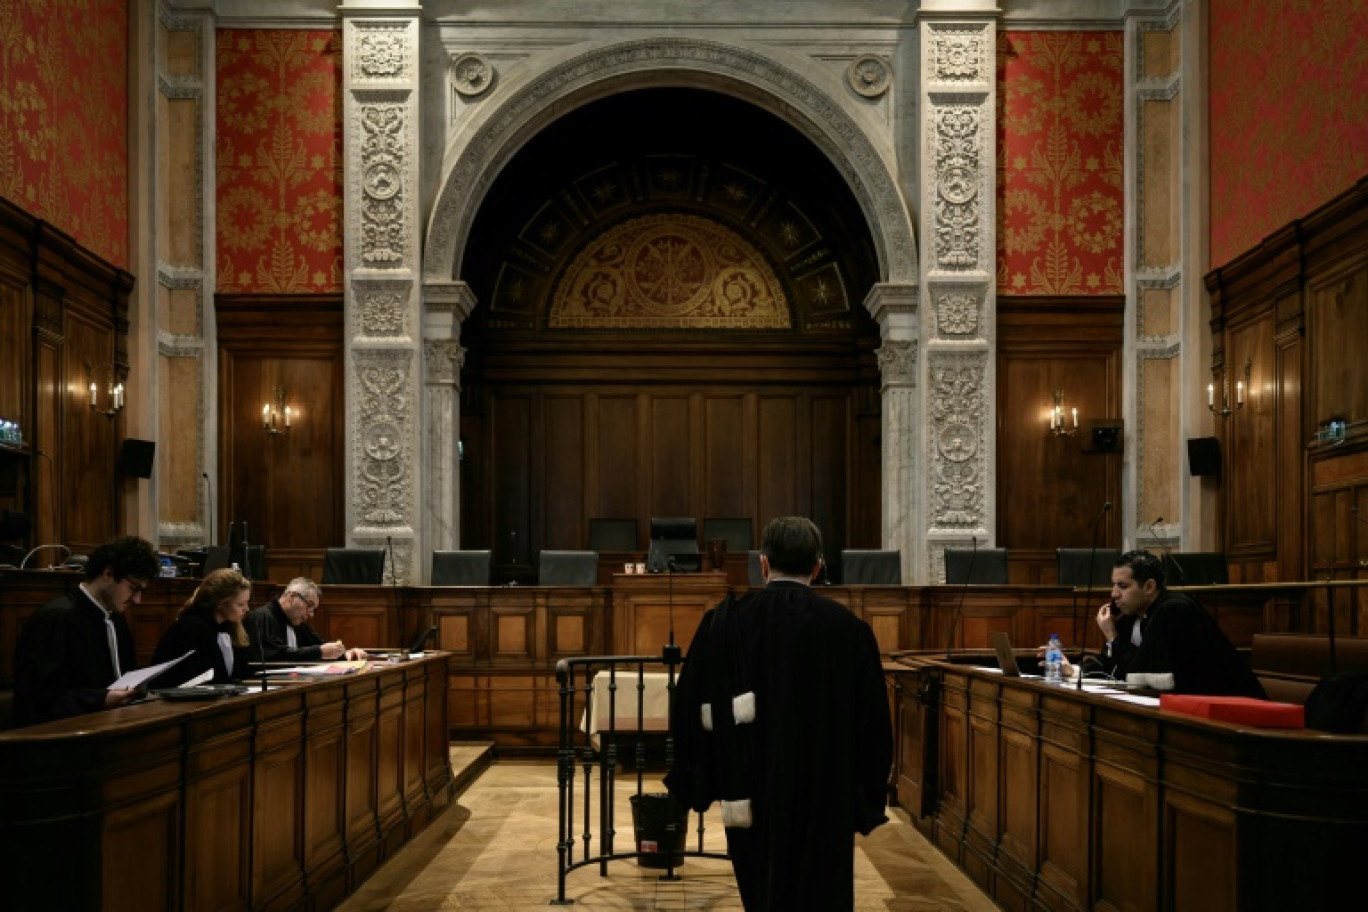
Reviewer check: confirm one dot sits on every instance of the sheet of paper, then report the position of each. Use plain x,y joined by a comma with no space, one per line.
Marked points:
1137,699
200,679
142,675
322,669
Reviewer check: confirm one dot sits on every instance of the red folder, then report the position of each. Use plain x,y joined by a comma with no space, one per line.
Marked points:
1245,710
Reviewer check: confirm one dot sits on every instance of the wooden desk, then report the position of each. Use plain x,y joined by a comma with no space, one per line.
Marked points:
1053,799
284,799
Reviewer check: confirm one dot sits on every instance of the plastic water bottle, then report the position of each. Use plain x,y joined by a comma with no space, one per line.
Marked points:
1054,661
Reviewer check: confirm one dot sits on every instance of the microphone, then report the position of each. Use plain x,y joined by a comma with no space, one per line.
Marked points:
1092,572
209,499
954,618
246,554
1154,536
670,654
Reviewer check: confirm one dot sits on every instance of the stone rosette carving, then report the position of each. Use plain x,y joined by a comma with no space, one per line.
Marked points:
957,153
384,241
869,75
382,52
384,405
444,359
957,313
897,362
959,54
957,481
472,75
382,310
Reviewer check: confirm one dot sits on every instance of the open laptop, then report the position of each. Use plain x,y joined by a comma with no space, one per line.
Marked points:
1002,645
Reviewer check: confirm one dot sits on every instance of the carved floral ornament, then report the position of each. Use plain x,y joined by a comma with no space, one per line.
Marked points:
897,361
444,359
958,175
957,484
472,75
383,52
385,484
383,241
959,54
869,76
957,313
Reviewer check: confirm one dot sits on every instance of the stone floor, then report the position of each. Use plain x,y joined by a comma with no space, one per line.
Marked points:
494,848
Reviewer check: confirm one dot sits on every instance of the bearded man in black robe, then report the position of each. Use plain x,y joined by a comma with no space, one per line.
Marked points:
781,715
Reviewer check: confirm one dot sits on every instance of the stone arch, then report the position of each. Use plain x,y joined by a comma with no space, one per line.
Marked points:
496,135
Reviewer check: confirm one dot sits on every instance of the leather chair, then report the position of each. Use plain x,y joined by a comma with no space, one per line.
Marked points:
871,567
461,568
976,566
353,566
1072,566
567,568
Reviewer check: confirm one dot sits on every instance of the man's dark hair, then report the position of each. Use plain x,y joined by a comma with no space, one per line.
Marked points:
793,545
1143,566
125,556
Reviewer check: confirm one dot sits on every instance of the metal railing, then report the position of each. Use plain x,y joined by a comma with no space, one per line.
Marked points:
597,752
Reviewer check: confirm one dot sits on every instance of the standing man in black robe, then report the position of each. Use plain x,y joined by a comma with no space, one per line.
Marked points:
77,645
781,714
1150,629
279,630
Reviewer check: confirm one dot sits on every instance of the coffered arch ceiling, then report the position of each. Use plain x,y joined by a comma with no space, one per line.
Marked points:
715,167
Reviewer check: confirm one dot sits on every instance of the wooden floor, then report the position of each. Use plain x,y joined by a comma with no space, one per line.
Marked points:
494,848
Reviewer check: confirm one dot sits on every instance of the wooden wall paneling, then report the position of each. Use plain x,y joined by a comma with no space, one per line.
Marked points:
389,796
730,460
288,487
829,450
1289,380
325,806
779,446
218,811
1337,311
669,443
1019,765
437,741
1050,490
278,806
1252,477
46,435
982,807
415,760
89,440
563,473
615,459
361,791
1065,774
510,489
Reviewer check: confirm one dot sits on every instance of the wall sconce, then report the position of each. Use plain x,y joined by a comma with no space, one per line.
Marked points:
275,418
1059,425
1225,410
114,399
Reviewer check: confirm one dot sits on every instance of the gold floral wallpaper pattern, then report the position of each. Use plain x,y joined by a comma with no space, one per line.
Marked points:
64,118
1061,204
1288,111
279,161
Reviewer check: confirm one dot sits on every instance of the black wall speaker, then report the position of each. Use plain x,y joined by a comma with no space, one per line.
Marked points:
1204,456
135,458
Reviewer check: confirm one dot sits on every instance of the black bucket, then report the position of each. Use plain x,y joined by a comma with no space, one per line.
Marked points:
653,817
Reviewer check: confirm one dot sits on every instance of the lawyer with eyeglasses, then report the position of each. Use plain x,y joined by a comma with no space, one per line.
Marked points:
280,631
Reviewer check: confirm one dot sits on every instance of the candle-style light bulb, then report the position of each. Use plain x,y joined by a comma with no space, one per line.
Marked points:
1075,417
1211,395
1239,392
266,415
287,416
93,392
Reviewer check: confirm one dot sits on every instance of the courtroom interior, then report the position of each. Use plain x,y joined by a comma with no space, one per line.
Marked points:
512,325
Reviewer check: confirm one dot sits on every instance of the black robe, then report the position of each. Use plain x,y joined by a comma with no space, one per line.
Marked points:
266,629
815,762
62,665
195,631
1178,636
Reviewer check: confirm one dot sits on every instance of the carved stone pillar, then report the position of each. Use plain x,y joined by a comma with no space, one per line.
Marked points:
382,328
958,236
446,305
895,309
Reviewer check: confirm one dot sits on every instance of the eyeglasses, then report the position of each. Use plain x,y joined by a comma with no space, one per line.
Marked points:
135,587
312,606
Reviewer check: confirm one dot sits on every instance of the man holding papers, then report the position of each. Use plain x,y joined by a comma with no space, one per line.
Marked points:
76,646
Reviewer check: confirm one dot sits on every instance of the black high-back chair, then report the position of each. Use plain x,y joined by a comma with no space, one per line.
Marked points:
1073,569
461,568
976,566
1196,568
673,536
612,534
567,568
871,567
353,566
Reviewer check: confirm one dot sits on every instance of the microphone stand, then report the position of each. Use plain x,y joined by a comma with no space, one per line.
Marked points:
394,588
209,501
670,654
959,609
1092,570
246,555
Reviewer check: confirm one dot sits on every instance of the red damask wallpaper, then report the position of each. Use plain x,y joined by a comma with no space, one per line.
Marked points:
1060,137
279,161
1288,113
64,117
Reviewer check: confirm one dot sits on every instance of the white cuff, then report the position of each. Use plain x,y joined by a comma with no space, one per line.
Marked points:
737,814
743,707
705,712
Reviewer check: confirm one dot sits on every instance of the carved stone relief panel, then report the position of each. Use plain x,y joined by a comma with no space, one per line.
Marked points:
384,196
957,311
443,359
957,152
382,308
383,51
897,362
958,479
960,55
383,452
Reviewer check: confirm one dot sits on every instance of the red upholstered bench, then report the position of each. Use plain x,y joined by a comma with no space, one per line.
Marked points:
1246,710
